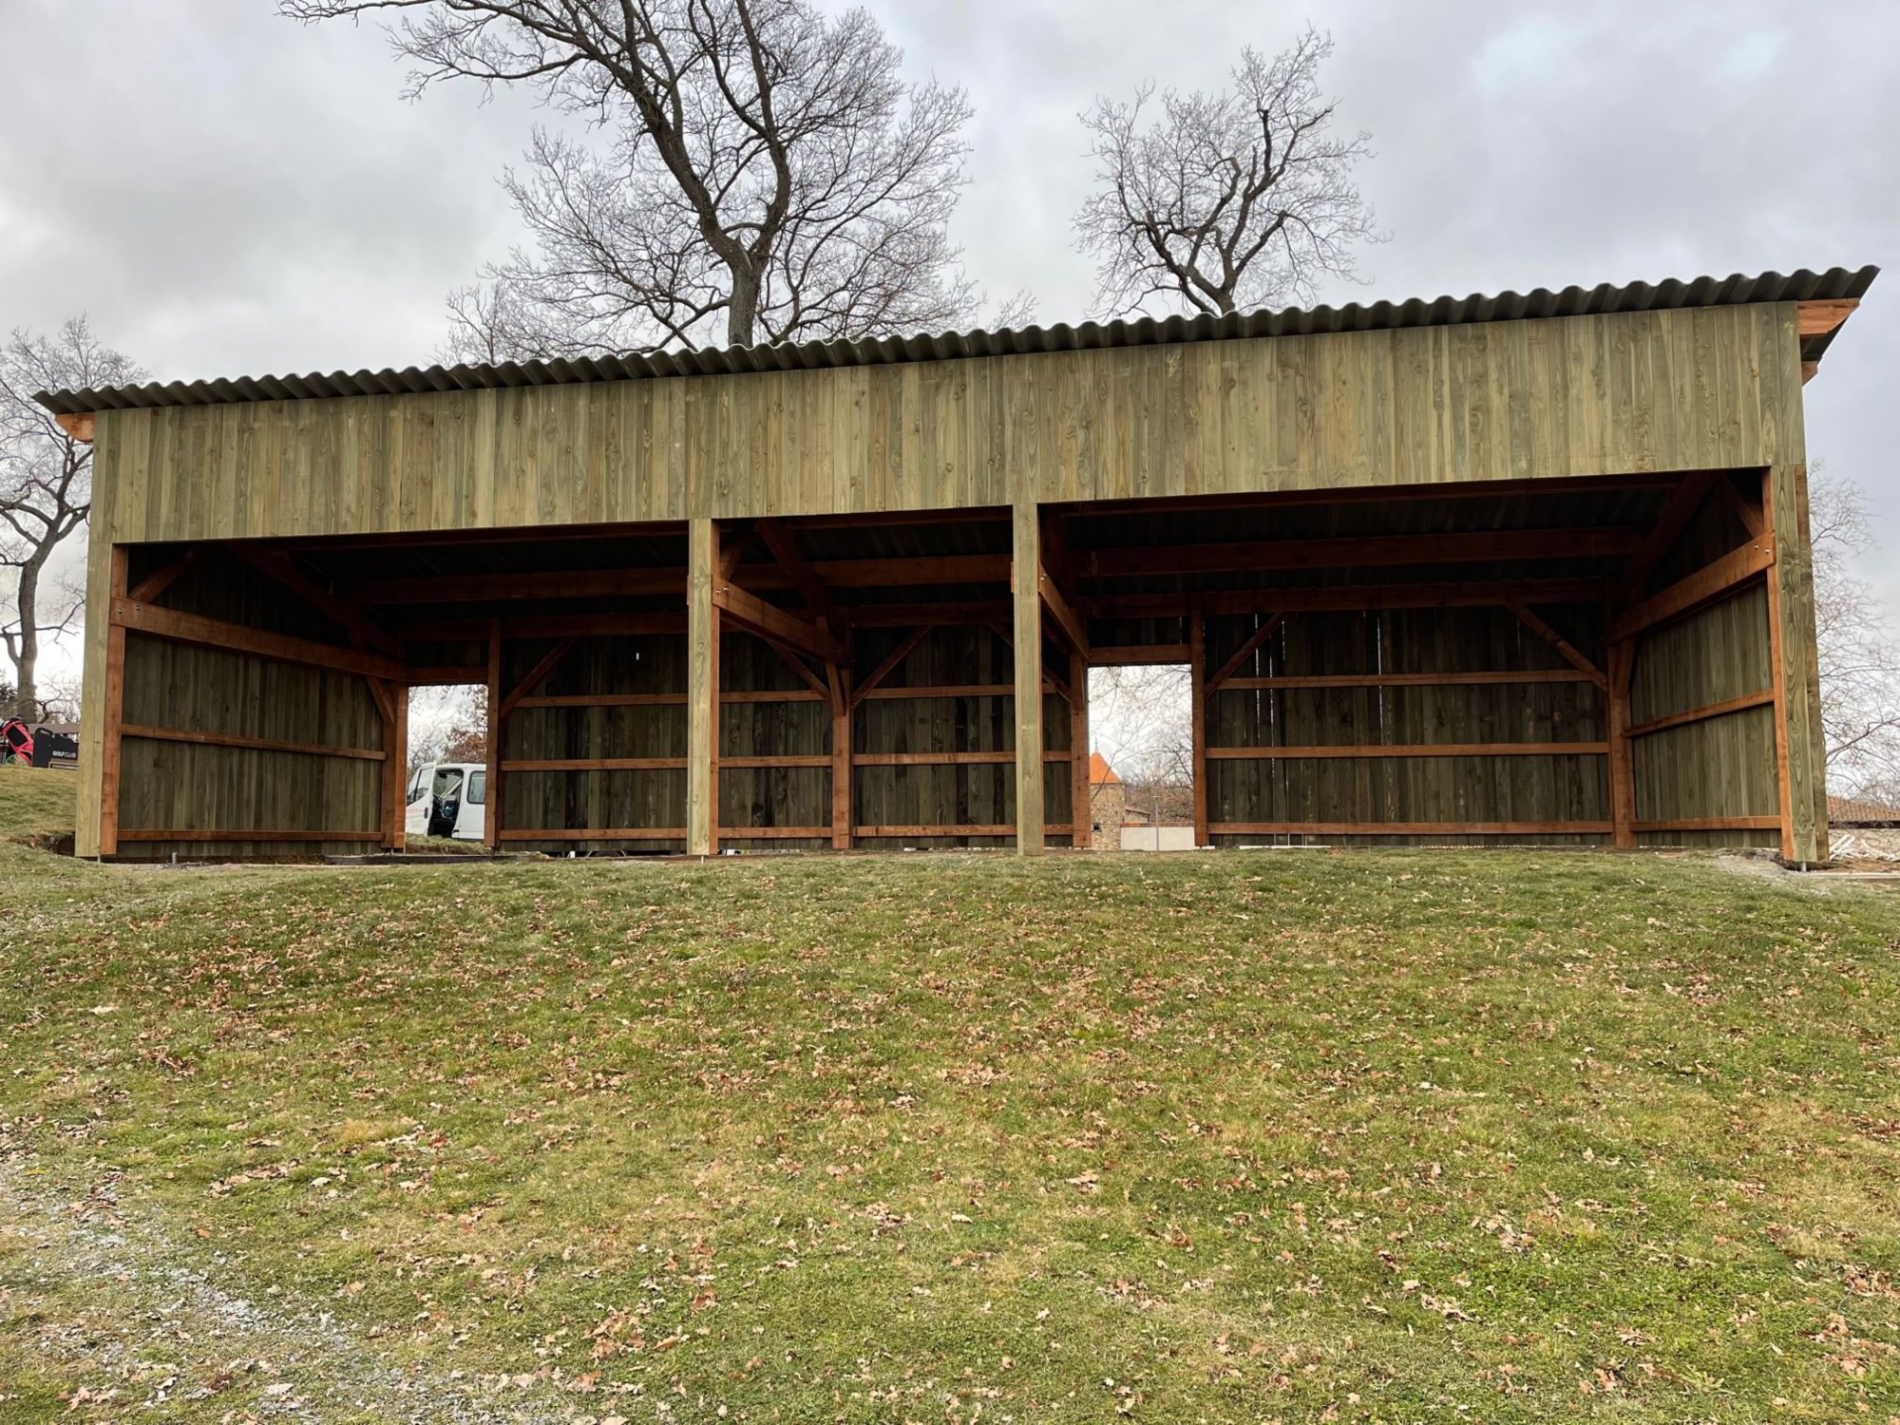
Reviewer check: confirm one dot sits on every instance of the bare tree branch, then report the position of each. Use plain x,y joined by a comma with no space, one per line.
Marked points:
1241,198
1857,646
45,485
760,172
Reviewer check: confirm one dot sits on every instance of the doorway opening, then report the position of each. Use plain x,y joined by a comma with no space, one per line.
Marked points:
445,796
1141,777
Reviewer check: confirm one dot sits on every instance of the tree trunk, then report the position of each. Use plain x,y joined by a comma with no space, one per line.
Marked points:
742,315
26,661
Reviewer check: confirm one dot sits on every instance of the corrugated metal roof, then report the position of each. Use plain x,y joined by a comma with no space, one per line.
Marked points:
1802,286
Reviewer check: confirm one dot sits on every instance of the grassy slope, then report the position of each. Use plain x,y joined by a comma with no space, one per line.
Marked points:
36,804
1396,1136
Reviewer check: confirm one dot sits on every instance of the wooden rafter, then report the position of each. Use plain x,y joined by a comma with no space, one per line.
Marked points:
774,622
161,579
1245,651
1821,317
1066,619
1677,511
821,686
218,633
811,589
80,425
1708,584
1477,546
1748,511
278,567
1556,640
1352,598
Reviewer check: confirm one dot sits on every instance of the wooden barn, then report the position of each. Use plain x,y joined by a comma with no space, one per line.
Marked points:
1528,568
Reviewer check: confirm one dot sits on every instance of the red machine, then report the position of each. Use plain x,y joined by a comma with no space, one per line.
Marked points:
36,747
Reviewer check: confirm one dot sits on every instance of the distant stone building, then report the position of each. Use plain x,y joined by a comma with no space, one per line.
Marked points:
1107,804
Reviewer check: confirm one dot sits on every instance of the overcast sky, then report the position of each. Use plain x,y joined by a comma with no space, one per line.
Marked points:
227,193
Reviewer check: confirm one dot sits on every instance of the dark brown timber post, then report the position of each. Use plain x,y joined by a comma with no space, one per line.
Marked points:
1026,592
491,811
1197,717
1622,657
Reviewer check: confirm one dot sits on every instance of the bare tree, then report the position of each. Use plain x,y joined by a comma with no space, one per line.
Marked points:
1224,200
765,173
1857,646
45,487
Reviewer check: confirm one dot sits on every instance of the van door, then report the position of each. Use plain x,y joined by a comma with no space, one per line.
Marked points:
415,814
473,820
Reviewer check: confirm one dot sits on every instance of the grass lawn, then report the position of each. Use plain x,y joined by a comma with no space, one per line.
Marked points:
1366,1137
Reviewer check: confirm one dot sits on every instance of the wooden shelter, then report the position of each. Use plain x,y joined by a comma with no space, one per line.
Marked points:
1530,568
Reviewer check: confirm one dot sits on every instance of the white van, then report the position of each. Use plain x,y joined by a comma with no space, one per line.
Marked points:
447,799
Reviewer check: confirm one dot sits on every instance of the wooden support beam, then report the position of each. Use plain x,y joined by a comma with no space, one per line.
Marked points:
1141,655
446,676
1563,645
776,833
1821,317
279,568
1197,721
81,426
396,771
615,700
594,764
799,666
1407,680
494,588
251,833
1364,494
925,833
548,626
1684,501
842,703
1712,823
1081,792
1411,828
1246,650
1027,600
783,544
497,718
1800,752
1748,511
1351,598
1368,551
777,623
768,760
702,682
964,613
255,744
1622,766
596,833
1072,627
110,746
180,627
889,665
1761,698
159,580
536,675
1707,585
1370,750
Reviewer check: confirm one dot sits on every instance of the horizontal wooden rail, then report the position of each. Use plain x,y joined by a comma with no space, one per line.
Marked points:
995,829
959,690
593,833
1136,655
1408,828
595,764
945,759
1365,551
1701,823
1424,749
774,833
1760,699
445,675
782,759
182,833
603,700
1405,680
1350,598
179,627
255,744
